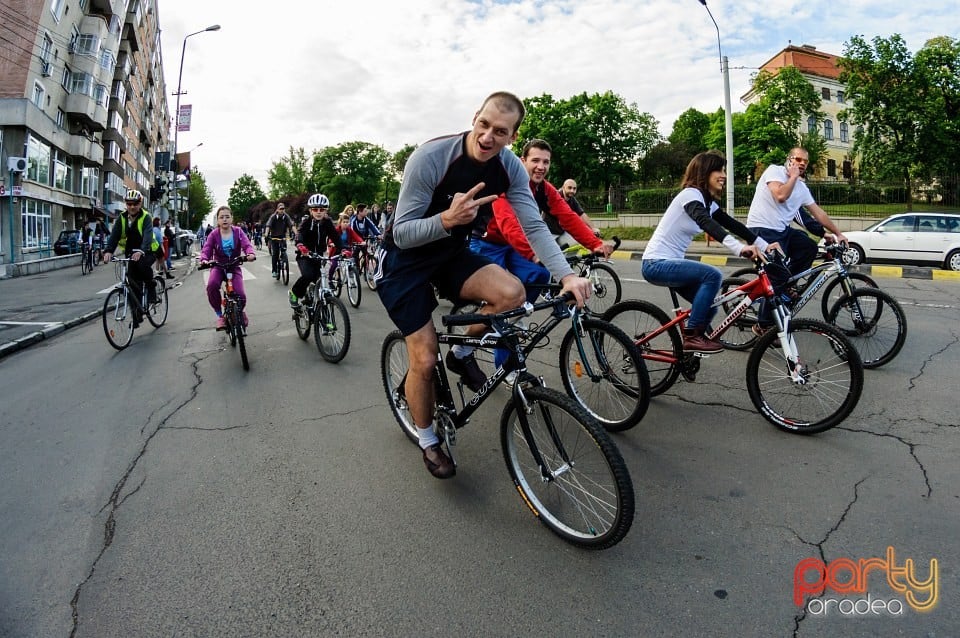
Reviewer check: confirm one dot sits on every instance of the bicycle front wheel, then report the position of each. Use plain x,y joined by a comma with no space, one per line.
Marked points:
607,289
353,287
284,268
394,363
239,336
117,319
157,312
370,272
567,470
331,329
86,263
661,354
874,322
602,371
836,289
810,395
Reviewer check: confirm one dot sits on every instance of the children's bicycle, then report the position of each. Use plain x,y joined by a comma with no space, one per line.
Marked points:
562,462
851,301
607,289
369,263
346,274
236,327
326,315
124,310
804,377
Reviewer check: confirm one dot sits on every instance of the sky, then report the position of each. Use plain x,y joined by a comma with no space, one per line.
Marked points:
296,73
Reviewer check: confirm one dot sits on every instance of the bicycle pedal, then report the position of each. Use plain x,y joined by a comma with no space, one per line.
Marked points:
701,355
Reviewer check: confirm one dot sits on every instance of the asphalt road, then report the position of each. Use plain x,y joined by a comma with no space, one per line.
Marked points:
163,491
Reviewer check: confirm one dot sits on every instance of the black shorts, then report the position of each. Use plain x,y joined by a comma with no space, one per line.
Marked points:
405,287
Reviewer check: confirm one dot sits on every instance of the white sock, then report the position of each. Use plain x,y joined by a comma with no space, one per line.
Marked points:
461,351
427,437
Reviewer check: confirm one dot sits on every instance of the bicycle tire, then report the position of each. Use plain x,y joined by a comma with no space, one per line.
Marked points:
157,312
240,336
332,342
738,336
834,290
638,318
86,263
353,287
336,282
874,322
589,499
749,273
370,272
117,319
607,289
394,363
618,393
284,268
833,379
301,319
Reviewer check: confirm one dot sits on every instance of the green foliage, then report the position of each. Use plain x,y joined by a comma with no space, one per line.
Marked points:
665,164
244,193
598,139
352,172
289,176
690,130
650,200
200,199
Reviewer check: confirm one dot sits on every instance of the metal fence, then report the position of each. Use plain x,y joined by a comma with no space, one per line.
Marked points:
867,199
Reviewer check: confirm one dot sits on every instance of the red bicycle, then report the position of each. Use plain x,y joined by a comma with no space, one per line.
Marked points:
804,377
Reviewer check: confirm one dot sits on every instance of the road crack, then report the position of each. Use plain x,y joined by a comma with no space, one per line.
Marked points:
930,359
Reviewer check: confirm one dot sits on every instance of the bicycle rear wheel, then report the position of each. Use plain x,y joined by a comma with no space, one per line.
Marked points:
353,287
822,389
874,322
661,354
117,319
331,329
835,289
582,491
302,321
86,262
606,377
157,312
394,363
239,335
607,289
336,282
740,335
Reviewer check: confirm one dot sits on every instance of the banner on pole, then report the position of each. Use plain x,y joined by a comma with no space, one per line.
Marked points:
183,120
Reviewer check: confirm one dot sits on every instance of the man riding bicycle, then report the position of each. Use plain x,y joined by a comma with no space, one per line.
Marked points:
278,227
133,234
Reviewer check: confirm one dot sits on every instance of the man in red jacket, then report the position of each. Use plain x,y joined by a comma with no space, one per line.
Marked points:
504,241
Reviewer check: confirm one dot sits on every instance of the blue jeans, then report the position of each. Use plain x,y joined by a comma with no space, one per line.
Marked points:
801,250
696,282
518,265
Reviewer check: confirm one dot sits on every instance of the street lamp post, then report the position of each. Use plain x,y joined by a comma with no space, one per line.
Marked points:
176,128
728,113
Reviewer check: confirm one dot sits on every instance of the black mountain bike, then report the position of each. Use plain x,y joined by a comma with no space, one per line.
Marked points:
326,315
123,310
278,254
562,462
232,308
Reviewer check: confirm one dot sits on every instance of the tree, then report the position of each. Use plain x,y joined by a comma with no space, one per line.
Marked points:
664,165
289,176
597,139
244,193
200,199
350,172
690,131
395,167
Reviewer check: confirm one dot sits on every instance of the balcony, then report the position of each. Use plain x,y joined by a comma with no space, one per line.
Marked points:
131,34
86,110
113,135
89,151
106,8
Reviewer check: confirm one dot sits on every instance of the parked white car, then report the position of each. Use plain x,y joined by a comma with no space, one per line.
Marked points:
917,237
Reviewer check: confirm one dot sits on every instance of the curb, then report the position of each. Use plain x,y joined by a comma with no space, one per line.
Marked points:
900,272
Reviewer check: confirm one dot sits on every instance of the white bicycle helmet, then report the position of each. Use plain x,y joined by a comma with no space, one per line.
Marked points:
318,200
133,195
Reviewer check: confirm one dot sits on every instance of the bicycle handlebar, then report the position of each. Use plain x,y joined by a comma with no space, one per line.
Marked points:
204,265
523,311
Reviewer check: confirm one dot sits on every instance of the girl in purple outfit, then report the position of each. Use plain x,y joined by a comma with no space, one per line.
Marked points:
222,245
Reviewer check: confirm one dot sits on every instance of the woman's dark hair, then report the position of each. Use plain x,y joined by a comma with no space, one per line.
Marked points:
698,172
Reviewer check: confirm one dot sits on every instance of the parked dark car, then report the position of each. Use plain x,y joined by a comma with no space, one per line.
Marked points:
67,243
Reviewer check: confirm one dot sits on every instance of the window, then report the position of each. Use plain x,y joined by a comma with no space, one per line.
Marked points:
66,78
90,182
35,223
828,129
903,224
844,132
81,83
114,184
113,151
831,168
60,170
61,118
107,61
87,44
119,92
116,122
46,48
101,95
840,97
38,161
56,8
38,94
82,4
812,125
847,169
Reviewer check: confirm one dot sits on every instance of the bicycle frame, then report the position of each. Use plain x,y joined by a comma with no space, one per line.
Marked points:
123,284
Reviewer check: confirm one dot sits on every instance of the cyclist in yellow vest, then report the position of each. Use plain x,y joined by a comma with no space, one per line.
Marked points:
133,234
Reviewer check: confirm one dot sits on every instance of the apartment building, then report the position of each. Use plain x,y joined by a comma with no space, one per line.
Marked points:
822,71
83,101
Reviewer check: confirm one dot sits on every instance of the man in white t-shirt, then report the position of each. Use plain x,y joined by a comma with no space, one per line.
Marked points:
780,193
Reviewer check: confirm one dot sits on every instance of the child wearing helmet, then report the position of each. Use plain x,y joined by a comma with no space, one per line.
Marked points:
315,231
